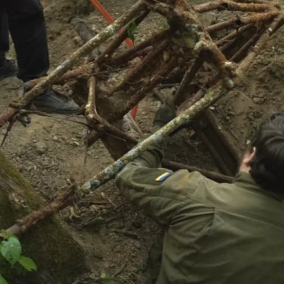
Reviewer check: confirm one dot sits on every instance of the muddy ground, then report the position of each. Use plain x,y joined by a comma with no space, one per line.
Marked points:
119,240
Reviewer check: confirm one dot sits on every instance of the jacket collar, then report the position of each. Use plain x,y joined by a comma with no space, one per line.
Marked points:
246,181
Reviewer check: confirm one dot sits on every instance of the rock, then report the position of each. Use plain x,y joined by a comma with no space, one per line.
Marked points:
41,147
258,100
257,114
74,143
137,245
77,40
51,37
231,113
117,249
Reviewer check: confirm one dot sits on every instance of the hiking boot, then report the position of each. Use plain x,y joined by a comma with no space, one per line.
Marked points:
52,102
9,69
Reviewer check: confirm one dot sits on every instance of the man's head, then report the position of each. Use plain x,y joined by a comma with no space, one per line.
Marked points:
264,159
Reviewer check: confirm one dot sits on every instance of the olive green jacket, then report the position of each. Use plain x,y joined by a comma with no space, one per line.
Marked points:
216,233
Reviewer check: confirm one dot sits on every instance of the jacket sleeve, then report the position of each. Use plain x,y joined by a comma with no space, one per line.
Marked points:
139,182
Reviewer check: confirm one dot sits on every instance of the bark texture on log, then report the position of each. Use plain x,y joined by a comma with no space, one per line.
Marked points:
51,247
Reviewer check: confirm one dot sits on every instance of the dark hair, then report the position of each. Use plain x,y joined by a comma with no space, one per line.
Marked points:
267,167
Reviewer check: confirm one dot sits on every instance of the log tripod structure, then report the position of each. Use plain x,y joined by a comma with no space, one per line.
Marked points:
183,48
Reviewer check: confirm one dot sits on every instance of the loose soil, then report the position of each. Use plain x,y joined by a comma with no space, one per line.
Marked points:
120,240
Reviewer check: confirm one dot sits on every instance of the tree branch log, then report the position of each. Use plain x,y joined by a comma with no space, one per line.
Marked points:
188,77
30,221
212,175
246,63
223,135
115,44
244,48
232,6
84,32
124,57
96,121
138,70
233,35
213,94
238,21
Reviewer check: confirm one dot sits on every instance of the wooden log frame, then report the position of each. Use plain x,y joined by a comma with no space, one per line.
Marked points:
213,94
190,106
220,61
197,43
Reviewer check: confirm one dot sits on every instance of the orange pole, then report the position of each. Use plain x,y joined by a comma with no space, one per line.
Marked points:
110,19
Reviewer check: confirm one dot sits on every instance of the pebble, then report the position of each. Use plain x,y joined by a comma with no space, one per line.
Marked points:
117,249
41,147
75,143
258,100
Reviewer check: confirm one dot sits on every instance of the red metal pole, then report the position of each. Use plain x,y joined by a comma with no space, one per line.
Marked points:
110,19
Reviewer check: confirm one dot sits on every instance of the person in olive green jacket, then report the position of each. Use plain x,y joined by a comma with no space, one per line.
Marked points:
216,233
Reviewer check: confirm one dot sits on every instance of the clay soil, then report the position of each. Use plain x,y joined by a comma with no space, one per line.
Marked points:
120,241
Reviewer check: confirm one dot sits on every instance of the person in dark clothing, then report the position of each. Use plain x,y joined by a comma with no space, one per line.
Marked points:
215,233
25,21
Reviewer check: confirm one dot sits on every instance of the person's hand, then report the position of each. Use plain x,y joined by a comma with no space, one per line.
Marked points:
166,112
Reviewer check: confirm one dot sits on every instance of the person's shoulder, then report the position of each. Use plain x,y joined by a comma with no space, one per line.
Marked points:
196,186
186,183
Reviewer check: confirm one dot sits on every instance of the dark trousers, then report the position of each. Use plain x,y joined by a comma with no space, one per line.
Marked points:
25,21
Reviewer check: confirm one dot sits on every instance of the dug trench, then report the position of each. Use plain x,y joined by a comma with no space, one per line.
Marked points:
120,241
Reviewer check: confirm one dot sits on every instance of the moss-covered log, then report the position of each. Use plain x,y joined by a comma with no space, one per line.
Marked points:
59,258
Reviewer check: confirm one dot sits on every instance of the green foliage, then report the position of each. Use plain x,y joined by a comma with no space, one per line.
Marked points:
166,25
251,133
2,280
27,263
106,279
11,251
132,30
